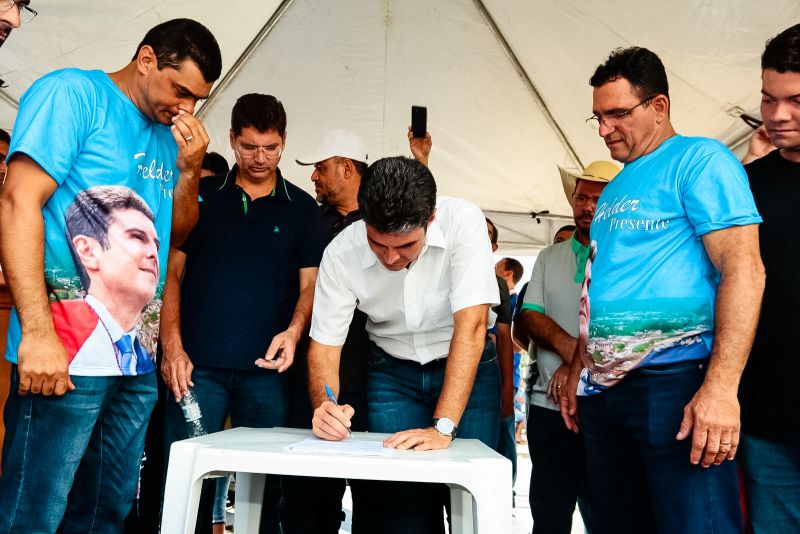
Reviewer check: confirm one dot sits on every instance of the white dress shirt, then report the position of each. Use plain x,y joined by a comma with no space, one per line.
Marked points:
409,312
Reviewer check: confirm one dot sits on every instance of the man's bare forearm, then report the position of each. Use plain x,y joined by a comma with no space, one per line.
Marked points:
301,318
323,368
170,327
302,311
505,353
519,335
737,310
465,352
185,208
548,334
22,246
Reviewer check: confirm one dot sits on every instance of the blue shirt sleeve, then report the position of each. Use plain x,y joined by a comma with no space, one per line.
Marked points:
716,193
53,121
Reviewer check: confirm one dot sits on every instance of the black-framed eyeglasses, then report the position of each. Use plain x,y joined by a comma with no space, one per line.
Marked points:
595,120
26,14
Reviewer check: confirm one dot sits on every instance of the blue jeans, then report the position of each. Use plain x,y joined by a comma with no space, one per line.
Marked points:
402,395
74,460
558,473
772,480
220,499
507,443
640,478
256,399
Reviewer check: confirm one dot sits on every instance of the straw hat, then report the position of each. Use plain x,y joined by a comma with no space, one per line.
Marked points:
596,171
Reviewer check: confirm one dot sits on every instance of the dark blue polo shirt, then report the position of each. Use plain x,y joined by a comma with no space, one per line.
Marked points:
241,282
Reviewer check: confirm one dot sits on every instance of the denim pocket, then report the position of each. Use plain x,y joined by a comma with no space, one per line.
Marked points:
489,353
487,359
375,356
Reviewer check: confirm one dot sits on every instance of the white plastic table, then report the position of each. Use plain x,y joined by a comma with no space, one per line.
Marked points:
479,478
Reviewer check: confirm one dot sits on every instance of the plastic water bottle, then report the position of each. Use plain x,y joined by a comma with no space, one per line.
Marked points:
195,426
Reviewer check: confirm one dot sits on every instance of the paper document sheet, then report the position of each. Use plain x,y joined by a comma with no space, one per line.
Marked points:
352,447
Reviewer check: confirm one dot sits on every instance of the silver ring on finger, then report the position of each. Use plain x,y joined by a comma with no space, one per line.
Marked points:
189,138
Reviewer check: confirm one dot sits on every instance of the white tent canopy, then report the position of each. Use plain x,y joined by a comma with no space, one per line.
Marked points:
505,81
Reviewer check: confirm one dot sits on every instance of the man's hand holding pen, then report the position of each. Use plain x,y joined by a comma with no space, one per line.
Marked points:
332,421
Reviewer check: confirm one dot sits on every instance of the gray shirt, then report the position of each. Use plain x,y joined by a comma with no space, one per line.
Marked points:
554,291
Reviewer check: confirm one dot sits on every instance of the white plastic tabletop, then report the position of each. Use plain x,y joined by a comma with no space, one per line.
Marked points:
468,464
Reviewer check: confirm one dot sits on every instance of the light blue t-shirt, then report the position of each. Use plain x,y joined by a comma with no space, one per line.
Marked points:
115,170
653,287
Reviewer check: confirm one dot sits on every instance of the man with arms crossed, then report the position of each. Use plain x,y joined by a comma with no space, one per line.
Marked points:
77,428
421,270
675,292
549,317
770,446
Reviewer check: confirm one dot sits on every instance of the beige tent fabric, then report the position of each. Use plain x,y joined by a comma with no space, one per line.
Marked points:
505,81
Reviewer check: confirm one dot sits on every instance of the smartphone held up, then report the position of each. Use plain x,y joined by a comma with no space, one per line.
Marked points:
419,121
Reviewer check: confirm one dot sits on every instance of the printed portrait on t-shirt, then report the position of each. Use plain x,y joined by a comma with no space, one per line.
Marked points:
114,248
112,168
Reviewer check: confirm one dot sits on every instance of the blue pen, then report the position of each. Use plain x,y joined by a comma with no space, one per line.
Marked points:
332,398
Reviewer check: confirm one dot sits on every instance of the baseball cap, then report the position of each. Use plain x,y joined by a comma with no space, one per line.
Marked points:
342,143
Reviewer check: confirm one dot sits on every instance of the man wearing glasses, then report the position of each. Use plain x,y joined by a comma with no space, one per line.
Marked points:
241,289
549,319
675,290
12,14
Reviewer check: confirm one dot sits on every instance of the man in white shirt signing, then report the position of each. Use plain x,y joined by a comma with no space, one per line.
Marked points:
421,269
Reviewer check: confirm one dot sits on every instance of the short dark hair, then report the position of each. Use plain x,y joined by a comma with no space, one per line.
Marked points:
494,234
515,267
397,195
91,212
566,228
215,163
5,137
262,112
782,52
177,40
641,67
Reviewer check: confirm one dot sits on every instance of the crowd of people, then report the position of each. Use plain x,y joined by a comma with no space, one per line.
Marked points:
142,267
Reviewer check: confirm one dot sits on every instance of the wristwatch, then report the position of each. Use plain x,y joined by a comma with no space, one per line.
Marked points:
445,426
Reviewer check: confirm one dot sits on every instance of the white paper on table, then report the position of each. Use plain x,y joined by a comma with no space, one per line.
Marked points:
351,447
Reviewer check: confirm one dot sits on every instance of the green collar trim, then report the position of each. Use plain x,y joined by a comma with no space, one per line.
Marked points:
534,307
582,255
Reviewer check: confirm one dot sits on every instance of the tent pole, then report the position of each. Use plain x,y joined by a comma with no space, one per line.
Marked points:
237,66
537,97
9,99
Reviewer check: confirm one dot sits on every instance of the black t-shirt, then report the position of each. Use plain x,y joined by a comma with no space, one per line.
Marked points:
503,310
767,392
241,282
520,301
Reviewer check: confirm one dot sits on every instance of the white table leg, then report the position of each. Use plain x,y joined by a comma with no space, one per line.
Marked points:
493,510
182,492
461,510
249,499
